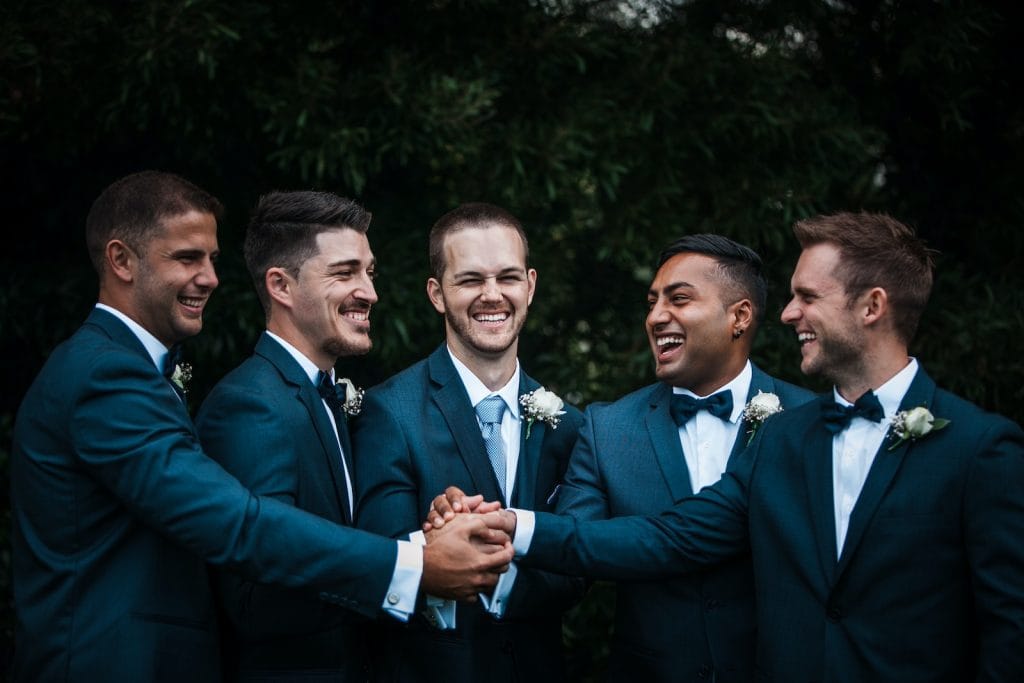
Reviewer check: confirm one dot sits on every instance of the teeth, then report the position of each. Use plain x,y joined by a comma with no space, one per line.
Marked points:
662,341
357,316
806,337
490,317
191,301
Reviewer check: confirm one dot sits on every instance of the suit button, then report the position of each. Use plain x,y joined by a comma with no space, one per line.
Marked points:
834,613
394,599
704,671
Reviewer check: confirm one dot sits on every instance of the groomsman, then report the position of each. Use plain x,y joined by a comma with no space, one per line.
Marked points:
114,505
456,418
884,520
656,446
279,422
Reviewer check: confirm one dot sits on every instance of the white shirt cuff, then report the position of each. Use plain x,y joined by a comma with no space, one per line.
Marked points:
525,520
400,599
497,603
439,613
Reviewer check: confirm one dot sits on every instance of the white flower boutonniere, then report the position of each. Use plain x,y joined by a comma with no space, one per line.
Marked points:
353,400
759,409
542,405
914,424
181,376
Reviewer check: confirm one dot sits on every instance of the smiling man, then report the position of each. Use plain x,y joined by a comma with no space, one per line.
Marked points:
424,430
653,447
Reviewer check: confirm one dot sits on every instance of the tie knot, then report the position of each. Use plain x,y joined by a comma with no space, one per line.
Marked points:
172,360
329,391
490,410
837,416
684,406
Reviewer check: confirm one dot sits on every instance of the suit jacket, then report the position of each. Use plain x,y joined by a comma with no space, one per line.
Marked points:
116,508
266,424
930,583
417,435
629,461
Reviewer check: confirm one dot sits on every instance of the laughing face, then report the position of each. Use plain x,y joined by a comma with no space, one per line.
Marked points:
831,342
175,277
485,291
690,325
331,299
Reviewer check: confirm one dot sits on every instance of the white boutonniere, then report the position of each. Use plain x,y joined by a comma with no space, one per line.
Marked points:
181,376
914,424
758,409
542,405
353,400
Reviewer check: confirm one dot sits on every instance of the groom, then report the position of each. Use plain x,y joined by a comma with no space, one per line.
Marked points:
427,428
884,548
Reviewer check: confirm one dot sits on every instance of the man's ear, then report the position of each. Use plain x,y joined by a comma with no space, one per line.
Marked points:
435,295
741,315
120,261
279,286
873,305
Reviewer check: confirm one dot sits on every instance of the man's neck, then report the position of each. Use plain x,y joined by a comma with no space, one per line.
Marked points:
289,334
875,369
493,371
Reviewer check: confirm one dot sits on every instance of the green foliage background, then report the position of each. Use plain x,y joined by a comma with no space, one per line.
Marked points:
609,127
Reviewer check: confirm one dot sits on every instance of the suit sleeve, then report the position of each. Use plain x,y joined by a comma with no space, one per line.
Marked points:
135,437
700,530
387,488
994,511
539,593
583,494
254,437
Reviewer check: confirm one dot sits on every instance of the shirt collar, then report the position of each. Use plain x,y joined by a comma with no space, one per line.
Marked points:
154,347
739,386
308,366
478,391
890,394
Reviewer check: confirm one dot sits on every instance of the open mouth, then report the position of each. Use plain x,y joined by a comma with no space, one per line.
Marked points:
360,317
668,345
806,338
491,319
193,303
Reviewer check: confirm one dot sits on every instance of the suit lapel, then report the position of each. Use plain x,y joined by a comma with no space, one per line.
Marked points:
883,469
818,470
759,381
452,400
665,439
530,450
307,395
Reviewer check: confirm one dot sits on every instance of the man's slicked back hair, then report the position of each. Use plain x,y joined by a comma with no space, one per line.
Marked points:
284,227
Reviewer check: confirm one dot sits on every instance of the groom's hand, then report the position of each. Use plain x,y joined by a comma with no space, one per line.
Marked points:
453,501
465,557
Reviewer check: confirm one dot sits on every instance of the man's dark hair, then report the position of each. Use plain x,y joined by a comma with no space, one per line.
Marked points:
133,208
284,228
739,268
877,250
471,215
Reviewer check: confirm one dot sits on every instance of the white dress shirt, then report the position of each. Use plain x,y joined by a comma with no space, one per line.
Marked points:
854,448
708,440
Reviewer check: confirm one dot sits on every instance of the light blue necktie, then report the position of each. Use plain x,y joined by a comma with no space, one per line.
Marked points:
490,411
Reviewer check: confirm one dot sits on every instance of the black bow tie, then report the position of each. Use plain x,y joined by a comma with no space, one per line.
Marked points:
172,360
333,394
684,406
837,416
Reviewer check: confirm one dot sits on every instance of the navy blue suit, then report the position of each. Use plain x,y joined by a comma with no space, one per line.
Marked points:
115,510
417,435
266,424
930,583
629,461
